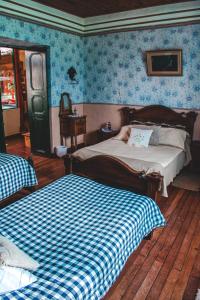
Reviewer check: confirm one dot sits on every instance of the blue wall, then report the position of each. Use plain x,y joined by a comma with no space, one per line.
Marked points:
66,50
115,70
111,68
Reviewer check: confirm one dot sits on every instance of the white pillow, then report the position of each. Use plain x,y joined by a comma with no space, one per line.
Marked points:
12,279
139,137
172,137
154,139
11,255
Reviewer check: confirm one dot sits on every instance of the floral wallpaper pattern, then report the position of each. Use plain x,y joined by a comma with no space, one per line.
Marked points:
115,68
111,67
66,50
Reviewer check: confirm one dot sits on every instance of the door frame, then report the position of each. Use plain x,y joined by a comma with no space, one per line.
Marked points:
27,46
2,134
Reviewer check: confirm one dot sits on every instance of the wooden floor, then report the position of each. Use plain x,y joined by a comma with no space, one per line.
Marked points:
166,267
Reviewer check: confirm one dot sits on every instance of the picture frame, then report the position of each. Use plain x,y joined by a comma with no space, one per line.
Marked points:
164,62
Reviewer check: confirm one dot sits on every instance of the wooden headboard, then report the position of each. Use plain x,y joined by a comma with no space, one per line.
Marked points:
159,114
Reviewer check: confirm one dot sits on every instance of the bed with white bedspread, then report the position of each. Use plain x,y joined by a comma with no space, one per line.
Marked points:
163,159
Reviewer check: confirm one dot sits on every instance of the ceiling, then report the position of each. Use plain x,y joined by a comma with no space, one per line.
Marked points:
89,8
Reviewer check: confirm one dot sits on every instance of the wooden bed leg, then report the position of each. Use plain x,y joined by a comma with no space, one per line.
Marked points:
30,160
153,185
68,164
31,189
149,236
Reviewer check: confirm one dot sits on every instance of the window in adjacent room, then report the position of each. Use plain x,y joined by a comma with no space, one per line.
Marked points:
7,78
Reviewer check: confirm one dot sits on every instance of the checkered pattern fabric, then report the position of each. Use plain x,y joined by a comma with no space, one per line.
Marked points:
15,174
81,232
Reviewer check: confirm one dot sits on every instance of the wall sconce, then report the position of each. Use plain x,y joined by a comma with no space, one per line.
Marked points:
72,75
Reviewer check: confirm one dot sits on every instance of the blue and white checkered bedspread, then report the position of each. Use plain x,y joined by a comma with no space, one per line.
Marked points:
81,233
15,174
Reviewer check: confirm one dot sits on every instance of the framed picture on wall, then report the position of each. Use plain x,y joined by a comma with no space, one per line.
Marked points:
164,62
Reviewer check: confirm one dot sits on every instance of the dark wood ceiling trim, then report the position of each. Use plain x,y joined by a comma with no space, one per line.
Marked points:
139,23
102,27
109,31
140,28
42,21
93,8
41,11
144,16
42,24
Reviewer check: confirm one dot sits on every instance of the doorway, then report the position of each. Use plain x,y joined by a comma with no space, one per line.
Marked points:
24,105
14,98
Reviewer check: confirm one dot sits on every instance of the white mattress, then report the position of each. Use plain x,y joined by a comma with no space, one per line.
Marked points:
166,160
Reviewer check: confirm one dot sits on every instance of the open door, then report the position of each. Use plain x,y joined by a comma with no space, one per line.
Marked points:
2,138
38,108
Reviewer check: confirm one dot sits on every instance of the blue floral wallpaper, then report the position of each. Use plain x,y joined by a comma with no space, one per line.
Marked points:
115,70
111,68
66,50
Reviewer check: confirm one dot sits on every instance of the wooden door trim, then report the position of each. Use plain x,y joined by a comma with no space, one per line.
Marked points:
2,133
22,45
27,46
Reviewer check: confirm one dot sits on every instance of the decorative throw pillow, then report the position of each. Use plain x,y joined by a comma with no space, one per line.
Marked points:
172,137
154,139
139,137
11,255
12,279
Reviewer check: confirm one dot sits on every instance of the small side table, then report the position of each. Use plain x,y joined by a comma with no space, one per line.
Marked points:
105,135
195,151
72,126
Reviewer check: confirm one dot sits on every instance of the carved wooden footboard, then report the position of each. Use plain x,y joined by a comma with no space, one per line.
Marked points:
111,171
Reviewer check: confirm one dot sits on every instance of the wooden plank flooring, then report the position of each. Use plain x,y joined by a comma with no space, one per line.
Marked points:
165,267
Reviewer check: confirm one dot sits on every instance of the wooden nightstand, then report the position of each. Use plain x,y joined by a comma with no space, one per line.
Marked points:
195,151
105,135
72,126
